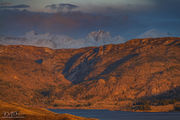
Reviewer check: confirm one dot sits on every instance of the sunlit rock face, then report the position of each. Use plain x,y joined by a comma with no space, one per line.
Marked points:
108,74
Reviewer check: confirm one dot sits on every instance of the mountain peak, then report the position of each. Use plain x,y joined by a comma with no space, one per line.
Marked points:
99,35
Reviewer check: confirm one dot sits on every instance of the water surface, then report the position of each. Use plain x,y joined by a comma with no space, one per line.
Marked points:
119,115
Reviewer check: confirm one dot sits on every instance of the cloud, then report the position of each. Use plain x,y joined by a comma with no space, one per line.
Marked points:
78,20
4,3
165,8
73,23
14,6
63,7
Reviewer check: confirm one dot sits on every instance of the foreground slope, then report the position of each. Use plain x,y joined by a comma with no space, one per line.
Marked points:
110,76
31,113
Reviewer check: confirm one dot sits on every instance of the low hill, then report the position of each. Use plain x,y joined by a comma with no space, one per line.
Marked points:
16,111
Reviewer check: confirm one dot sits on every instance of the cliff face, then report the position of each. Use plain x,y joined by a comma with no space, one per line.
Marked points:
99,76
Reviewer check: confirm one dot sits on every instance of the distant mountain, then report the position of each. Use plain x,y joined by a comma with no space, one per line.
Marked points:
96,38
153,33
105,77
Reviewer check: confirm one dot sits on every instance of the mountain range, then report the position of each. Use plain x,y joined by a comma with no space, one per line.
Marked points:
113,76
57,41
95,38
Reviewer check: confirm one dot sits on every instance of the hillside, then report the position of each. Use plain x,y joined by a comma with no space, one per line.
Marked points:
106,77
31,113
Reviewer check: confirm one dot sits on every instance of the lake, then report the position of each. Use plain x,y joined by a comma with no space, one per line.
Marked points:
120,115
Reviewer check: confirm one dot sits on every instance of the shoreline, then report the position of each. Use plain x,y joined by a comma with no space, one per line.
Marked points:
156,109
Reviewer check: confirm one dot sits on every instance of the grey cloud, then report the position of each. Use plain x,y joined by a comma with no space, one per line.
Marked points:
14,6
73,23
4,3
63,7
69,6
166,8
53,6
127,20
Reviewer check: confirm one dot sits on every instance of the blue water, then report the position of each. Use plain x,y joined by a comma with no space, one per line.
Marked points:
119,115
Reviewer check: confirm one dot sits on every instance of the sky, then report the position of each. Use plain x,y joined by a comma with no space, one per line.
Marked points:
38,5
77,18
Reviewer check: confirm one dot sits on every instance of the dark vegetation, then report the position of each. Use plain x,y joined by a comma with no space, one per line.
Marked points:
166,98
39,61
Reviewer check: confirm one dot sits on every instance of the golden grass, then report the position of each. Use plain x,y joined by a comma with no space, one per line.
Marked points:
32,113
